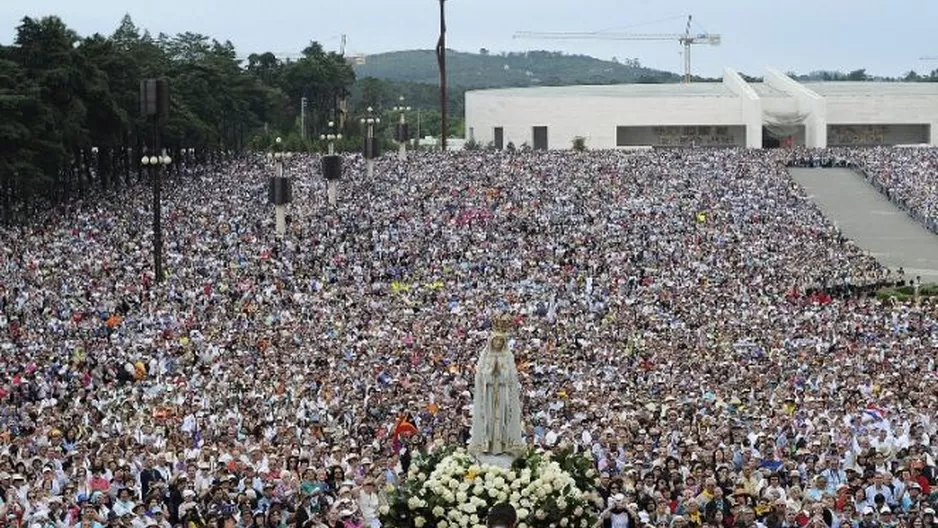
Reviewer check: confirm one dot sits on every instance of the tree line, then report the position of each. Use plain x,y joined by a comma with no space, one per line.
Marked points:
69,105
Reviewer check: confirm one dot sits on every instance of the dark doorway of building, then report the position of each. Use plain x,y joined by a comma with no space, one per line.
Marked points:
540,137
769,141
499,138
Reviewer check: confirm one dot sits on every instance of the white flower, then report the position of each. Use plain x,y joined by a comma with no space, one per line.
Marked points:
464,486
502,496
384,509
540,514
439,511
563,522
522,513
419,522
515,496
590,473
453,484
578,512
584,523
562,504
524,503
493,493
499,482
413,503
474,519
511,475
478,482
464,522
449,497
478,491
442,524
522,525
548,489
461,497
421,477
475,468
489,477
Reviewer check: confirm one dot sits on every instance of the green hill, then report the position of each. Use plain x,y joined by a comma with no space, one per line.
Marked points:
484,70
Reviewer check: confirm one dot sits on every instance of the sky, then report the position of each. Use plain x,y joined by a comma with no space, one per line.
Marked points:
885,37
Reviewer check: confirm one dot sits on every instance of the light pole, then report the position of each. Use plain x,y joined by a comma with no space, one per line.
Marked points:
331,165
95,162
154,105
279,191
402,132
155,164
303,103
371,146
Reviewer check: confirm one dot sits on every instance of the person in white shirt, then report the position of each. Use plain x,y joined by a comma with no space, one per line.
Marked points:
368,503
124,503
879,487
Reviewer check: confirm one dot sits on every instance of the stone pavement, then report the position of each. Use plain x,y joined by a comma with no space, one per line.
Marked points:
872,221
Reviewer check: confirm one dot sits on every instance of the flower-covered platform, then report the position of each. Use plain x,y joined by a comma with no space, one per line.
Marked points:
451,489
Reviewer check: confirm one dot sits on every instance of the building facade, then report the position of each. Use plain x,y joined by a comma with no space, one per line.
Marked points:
779,111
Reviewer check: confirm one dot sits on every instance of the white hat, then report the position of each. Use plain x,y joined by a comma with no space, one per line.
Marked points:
868,511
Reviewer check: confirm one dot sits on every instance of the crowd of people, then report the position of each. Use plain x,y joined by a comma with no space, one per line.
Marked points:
661,322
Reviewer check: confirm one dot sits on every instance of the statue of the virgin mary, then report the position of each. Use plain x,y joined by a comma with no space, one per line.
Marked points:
496,404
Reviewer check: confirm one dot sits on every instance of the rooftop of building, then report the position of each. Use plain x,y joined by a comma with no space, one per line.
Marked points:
869,88
717,89
714,89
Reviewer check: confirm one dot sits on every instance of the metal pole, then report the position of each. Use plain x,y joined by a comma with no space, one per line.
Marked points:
332,186
441,59
280,210
370,162
157,209
303,118
402,149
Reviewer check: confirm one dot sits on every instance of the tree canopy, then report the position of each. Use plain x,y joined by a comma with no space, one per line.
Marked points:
69,105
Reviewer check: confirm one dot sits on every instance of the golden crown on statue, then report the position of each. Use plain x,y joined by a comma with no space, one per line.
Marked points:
501,324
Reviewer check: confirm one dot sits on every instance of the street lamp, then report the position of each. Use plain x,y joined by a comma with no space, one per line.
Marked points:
402,133
331,164
371,149
279,191
155,164
95,161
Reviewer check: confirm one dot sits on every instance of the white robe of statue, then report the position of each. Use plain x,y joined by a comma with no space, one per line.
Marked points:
496,404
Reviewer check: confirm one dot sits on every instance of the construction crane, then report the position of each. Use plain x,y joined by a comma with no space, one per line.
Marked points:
686,39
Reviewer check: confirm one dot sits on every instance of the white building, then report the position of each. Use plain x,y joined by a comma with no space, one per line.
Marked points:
778,111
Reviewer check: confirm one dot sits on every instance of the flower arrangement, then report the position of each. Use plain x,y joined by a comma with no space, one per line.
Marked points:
450,489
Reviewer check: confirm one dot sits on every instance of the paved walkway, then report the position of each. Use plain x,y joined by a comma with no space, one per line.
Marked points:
872,221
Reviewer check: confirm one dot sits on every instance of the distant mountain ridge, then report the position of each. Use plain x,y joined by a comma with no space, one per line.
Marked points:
516,69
